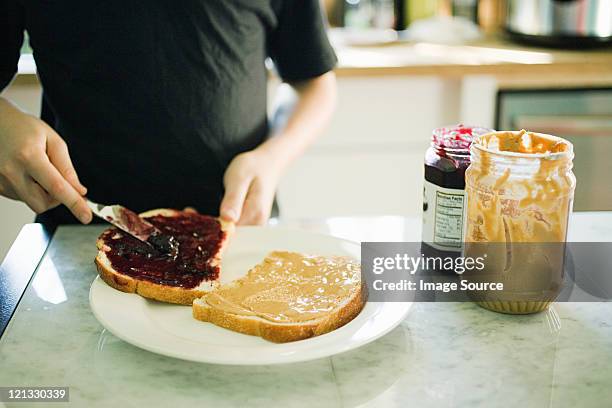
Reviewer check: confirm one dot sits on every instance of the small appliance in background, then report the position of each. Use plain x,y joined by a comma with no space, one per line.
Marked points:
399,14
409,11
467,9
560,23
367,14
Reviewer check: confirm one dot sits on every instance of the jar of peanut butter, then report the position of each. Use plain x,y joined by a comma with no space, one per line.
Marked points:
520,189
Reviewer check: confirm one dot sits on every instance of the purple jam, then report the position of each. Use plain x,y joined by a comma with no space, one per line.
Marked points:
199,238
449,155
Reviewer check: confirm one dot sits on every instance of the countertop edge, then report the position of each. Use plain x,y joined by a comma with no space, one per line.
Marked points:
18,268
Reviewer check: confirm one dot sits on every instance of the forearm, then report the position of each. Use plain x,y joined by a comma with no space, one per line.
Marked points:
316,104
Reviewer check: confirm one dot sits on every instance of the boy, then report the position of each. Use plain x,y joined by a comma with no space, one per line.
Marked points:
161,104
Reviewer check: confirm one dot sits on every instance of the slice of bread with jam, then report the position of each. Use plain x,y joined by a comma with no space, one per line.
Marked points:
132,266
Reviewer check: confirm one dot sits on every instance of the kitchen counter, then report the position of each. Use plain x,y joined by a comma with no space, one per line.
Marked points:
490,56
443,354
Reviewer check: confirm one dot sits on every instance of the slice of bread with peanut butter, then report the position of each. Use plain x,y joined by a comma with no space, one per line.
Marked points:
289,296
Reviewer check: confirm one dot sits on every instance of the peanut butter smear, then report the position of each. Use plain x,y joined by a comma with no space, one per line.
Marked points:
289,287
521,188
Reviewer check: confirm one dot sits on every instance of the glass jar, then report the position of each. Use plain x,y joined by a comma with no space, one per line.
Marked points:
443,190
520,190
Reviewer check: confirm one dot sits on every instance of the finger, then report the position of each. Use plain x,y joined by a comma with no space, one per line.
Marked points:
50,179
33,195
8,192
6,189
257,205
48,200
60,158
236,189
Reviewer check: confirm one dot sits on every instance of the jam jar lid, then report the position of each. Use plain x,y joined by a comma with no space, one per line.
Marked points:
457,138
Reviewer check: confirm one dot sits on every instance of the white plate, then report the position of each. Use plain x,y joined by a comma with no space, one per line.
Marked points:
172,331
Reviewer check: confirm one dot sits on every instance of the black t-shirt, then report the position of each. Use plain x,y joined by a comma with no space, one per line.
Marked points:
155,98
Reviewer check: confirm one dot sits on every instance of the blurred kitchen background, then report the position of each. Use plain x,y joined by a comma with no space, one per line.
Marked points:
408,66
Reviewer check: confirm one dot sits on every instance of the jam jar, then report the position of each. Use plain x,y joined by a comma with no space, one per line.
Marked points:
443,191
520,190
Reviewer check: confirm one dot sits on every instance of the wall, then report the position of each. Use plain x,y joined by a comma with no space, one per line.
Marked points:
13,214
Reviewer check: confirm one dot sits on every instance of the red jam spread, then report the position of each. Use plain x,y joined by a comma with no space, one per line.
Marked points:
145,231
199,239
449,155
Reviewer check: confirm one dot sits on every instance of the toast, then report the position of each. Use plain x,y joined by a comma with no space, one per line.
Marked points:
128,273
287,297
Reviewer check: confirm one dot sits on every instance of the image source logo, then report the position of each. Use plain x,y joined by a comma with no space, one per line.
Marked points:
484,272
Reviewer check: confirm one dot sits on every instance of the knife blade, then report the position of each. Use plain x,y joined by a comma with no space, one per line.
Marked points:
130,222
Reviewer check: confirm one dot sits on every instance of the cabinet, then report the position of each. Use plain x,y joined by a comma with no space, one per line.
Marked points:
581,115
370,159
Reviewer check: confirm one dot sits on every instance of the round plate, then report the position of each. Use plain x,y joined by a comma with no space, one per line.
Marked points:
171,330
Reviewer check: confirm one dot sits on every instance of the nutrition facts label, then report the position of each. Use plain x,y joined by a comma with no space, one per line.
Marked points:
448,225
443,215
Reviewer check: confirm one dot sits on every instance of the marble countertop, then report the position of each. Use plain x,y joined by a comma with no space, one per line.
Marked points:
443,354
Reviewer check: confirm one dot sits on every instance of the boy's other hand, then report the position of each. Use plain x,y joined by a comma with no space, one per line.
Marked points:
250,185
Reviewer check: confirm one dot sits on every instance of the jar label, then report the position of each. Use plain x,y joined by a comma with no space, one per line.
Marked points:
443,216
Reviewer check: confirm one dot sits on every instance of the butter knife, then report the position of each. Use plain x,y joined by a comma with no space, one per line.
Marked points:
130,222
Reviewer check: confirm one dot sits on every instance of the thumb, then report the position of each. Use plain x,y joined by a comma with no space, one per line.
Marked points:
235,193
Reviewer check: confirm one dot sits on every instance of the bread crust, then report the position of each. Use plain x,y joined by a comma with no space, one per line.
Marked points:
282,332
163,293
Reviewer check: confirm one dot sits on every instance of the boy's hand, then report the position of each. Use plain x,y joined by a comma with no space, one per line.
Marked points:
250,184
251,178
35,166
